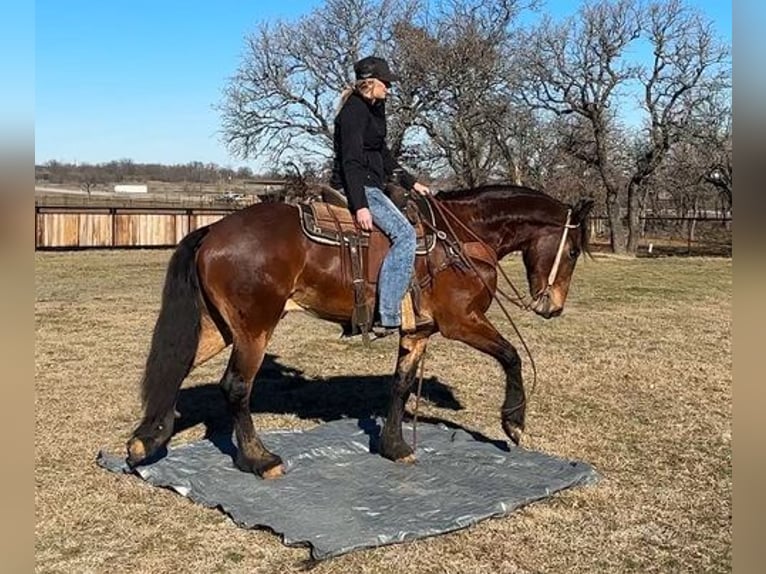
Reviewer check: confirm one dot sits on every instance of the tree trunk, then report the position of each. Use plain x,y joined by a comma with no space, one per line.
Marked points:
634,218
516,174
692,224
616,231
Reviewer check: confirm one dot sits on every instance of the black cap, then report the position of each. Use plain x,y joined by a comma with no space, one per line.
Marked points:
374,67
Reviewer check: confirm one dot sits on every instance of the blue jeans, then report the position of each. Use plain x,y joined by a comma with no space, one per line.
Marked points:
398,265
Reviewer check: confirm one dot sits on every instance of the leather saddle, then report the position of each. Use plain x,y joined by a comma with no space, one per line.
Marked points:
329,222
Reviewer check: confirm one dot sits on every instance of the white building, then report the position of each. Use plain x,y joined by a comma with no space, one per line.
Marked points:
131,188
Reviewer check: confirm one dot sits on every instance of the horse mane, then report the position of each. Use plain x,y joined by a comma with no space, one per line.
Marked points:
493,189
507,190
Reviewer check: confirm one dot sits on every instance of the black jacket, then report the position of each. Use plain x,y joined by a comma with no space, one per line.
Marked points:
362,157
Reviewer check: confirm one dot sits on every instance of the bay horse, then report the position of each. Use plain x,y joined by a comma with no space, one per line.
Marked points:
229,283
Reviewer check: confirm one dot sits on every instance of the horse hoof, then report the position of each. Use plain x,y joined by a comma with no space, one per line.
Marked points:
513,432
274,472
409,459
136,451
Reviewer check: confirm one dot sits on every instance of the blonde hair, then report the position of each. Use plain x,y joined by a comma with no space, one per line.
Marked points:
362,87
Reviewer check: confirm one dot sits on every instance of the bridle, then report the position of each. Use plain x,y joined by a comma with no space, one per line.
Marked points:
455,246
557,261
555,269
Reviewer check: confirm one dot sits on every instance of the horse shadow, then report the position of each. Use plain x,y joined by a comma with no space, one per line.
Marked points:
281,389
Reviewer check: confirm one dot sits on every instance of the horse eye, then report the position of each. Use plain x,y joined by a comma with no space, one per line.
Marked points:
574,252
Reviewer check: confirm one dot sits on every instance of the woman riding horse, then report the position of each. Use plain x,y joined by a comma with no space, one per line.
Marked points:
229,283
362,165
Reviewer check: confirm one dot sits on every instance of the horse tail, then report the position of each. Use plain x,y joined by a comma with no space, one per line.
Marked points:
176,333
173,348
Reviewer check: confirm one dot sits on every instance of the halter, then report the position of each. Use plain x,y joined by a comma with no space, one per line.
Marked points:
556,262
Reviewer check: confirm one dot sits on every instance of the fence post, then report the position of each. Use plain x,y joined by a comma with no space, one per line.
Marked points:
690,235
113,215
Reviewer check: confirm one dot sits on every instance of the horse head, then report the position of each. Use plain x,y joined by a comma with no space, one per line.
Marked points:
550,256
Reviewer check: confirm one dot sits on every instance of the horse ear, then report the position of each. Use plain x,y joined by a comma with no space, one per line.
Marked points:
581,209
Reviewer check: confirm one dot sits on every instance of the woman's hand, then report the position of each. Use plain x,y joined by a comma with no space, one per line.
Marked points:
364,219
421,189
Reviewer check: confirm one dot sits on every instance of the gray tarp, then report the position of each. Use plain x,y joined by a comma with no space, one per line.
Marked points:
338,497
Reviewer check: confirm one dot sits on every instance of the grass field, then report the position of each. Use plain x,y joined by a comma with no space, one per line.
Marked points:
635,378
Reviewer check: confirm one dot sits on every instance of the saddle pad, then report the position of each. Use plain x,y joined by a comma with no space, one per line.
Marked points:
333,218
327,224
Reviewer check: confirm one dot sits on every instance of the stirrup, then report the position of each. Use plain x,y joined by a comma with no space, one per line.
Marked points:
379,332
421,322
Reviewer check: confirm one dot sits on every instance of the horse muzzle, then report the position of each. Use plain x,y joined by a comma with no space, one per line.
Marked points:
545,306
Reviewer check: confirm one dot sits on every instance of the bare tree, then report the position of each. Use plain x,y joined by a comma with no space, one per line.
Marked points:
722,177
584,67
687,72
451,112
89,177
577,68
525,150
475,104
282,100
457,83
714,142
697,173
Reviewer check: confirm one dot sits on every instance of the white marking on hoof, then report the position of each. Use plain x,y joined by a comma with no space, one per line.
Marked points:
409,459
274,472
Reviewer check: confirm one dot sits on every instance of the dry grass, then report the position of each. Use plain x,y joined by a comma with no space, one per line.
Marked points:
635,378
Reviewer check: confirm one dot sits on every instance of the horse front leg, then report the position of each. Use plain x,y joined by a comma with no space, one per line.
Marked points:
392,444
475,330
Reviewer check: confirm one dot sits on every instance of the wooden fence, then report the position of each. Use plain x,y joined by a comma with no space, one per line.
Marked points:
117,227
80,227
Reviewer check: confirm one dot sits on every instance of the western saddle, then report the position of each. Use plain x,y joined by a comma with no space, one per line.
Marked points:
329,222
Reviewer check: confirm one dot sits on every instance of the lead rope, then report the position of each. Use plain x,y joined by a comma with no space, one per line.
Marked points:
519,301
520,298
417,402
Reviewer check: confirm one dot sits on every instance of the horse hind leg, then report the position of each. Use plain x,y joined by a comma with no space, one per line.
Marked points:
211,341
157,427
236,384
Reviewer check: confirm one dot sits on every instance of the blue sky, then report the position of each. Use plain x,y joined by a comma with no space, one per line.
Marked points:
139,79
